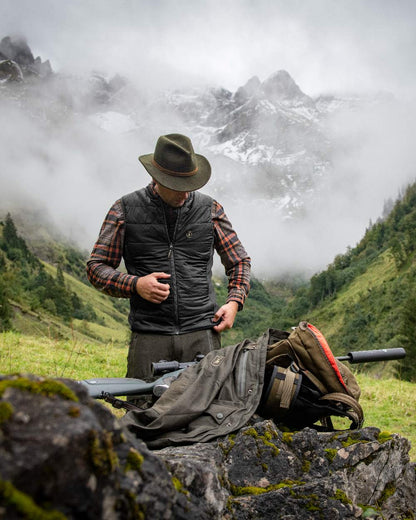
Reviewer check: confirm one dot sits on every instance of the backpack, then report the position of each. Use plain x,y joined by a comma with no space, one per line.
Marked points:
305,383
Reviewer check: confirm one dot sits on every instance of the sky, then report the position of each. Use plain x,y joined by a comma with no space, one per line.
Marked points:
327,46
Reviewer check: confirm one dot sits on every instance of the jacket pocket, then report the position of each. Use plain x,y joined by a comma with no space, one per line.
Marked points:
219,410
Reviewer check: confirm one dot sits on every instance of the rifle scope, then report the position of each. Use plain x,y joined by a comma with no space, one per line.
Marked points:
162,367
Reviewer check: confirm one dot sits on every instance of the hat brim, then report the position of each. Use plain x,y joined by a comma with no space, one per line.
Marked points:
179,183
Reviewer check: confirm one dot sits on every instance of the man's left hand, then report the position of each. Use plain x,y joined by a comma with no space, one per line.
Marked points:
226,316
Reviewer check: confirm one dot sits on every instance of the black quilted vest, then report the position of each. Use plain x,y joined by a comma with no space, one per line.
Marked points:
187,258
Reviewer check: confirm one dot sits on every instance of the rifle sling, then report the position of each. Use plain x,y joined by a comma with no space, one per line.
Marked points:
356,415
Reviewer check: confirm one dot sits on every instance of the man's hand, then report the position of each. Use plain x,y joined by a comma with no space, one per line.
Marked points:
226,314
151,289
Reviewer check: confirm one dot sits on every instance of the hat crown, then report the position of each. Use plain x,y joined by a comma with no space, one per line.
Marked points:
175,165
175,154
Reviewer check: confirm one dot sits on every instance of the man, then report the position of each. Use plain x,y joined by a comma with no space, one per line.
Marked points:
166,233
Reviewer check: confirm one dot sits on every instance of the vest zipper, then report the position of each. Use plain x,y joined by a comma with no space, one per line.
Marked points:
171,259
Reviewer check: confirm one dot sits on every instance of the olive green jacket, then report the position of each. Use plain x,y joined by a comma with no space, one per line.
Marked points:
210,399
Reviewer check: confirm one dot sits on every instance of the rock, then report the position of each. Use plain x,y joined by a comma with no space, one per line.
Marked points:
63,455
16,50
10,71
305,475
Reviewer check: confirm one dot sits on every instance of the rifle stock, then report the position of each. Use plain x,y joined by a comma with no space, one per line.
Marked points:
127,386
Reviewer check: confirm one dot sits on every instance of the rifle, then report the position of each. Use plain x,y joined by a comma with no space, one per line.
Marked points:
109,388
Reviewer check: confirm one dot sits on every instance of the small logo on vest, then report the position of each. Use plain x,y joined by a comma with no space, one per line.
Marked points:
189,234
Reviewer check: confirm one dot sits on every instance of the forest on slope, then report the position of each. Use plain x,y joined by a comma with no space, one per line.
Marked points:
366,298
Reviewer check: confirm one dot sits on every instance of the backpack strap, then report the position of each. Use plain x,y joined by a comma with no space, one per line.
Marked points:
281,391
355,413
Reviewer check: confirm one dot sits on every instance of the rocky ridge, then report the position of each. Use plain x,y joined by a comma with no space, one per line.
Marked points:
18,62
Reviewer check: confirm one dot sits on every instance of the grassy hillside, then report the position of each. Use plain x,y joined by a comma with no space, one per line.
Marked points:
366,299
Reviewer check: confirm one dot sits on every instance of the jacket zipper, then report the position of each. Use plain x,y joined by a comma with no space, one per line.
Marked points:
171,259
242,374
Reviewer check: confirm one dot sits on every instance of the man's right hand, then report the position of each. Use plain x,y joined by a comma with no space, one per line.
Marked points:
151,289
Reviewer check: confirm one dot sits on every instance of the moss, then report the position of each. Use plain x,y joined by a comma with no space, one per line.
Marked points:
264,439
388,491
238,491
252,432
341,496
138,511
6,411
226,448
383,437
331,454
306,466
353,438
312,503
102,455
179,486
287,437
74,411
270,433
134,461
46,387
24,504
273,447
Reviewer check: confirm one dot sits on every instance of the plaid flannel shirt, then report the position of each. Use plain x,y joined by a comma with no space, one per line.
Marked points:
107,255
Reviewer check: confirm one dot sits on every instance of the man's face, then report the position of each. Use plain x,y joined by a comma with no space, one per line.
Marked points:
176,199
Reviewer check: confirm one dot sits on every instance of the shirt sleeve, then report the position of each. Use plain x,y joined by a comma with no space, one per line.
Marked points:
106,256
233,256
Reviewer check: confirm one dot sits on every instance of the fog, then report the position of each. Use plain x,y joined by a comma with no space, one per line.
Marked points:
73,168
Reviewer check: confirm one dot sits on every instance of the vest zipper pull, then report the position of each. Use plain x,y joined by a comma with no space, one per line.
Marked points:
170,250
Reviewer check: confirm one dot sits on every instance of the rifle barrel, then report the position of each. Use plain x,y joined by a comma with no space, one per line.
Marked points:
366,356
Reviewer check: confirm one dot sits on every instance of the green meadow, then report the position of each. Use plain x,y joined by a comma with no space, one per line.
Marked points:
388,403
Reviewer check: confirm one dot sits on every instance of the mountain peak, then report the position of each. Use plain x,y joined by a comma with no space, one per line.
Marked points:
281,86
252,86
16,49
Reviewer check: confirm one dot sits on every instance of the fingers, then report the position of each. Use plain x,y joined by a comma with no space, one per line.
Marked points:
161,275
151,289
221,319
226,316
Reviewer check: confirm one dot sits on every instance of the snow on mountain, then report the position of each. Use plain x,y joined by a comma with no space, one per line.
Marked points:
270,127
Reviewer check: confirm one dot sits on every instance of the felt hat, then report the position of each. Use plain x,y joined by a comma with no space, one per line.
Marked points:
175,165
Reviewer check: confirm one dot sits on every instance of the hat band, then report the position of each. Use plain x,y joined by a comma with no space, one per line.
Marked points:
174,173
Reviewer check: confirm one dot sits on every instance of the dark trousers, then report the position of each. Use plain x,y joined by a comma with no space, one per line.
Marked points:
147,348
